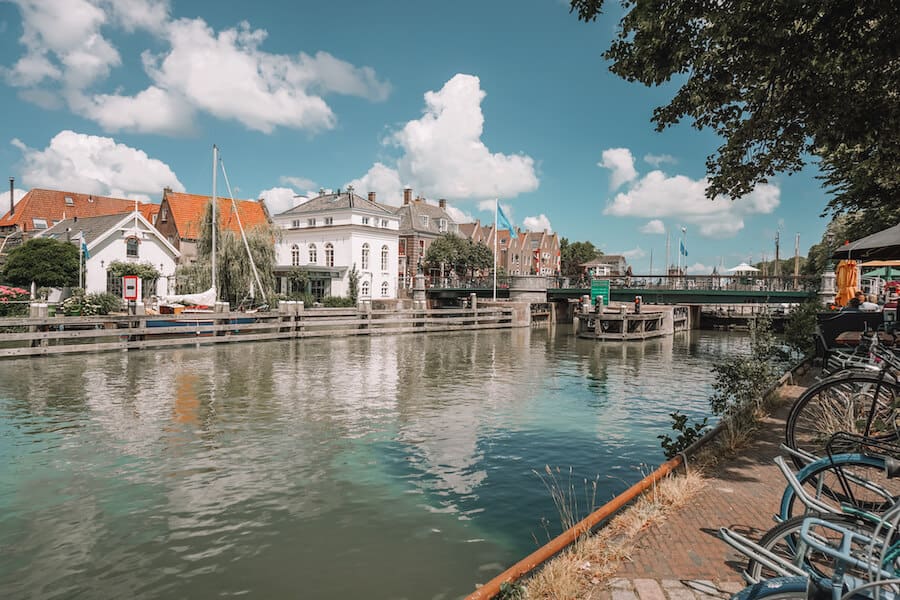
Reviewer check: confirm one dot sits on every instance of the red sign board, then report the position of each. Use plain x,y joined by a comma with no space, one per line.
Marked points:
131,287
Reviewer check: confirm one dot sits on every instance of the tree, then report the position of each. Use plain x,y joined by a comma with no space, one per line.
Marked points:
234,274
353,284
573,255
45,261
779,81
457,254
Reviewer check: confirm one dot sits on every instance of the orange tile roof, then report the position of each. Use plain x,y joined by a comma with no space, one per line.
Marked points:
187,213
149,210
51,205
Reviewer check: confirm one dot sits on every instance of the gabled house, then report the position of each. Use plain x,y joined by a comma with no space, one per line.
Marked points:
180,216
529,253
41,209
608,265
326,237
420,224
125,237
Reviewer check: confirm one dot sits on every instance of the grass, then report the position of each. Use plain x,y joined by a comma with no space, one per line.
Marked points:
579,571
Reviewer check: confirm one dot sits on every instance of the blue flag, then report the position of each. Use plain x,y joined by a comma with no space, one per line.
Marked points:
683,249
84,249
503,222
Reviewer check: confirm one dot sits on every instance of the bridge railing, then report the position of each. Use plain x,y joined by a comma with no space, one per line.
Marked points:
719,282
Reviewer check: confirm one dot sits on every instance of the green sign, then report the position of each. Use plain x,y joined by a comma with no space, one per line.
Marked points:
600,287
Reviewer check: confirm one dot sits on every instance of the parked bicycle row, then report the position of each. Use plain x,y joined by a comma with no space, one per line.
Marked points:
836,533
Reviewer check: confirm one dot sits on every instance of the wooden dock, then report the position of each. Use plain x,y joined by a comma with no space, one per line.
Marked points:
65,335
618,323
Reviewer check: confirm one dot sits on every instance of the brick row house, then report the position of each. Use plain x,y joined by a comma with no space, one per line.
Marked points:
420,224
529,253
180,216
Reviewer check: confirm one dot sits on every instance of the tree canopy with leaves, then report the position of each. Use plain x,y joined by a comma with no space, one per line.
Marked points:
574,254
779,81
457,254
45,261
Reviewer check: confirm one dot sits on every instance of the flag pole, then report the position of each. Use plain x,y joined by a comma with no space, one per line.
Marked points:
81,261
496,233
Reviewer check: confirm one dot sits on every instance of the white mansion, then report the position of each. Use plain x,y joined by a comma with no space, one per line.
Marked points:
325,237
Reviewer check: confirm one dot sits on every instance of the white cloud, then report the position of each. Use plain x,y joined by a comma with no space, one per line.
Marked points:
382,180
621,163
443,155
297,182
95,165
633,254
458,215
539,223
280,199
654,227
4,199
659,195
659,159
225,74
151,111
699,269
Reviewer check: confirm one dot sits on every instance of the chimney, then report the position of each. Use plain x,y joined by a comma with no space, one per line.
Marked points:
12,204
442,203
371,196
407,195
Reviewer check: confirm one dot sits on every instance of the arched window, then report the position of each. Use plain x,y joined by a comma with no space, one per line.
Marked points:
295,255
312,253
364,289
384,258
131,247
365,257
384,289
329,255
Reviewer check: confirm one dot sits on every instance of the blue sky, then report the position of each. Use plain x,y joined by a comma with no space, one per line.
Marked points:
468,101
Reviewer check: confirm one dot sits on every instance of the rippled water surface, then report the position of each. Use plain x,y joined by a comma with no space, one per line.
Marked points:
384,467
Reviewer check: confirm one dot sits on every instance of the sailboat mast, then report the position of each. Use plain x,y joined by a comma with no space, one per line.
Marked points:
214,211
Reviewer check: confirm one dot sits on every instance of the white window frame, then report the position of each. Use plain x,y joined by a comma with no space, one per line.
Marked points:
365,220
311,222
385,289
329,254
329,220
313,254
295,255
364,259
385,256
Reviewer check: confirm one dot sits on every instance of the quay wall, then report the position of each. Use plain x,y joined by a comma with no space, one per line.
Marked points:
40,336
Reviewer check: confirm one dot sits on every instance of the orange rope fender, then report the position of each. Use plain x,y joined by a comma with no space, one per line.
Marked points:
554,546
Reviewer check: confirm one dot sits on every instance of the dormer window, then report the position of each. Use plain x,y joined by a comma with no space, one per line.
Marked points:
70,201
131,247
164,213
39,223
442,225
425,220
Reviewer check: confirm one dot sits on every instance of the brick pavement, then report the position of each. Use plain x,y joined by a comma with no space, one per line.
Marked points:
682,558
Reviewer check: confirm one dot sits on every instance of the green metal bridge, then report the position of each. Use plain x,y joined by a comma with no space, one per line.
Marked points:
693,294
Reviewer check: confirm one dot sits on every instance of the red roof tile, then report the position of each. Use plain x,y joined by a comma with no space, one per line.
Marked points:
187,213
53,206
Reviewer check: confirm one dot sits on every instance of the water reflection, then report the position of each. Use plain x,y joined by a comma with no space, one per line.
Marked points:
266,468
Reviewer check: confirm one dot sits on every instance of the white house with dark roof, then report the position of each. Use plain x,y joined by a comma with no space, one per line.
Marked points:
326,236
125,237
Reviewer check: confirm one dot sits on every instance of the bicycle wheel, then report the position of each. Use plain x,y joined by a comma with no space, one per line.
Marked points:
784,541
856,403
779,588
855,480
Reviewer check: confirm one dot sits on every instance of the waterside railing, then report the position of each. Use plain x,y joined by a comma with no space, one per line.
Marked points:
28,336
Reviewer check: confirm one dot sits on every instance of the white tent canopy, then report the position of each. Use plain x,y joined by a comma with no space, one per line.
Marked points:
743,268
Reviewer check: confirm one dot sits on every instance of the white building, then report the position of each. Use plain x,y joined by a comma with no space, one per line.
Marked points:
126,238
325,237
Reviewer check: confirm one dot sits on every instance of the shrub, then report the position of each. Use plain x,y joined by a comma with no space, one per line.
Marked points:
104,302
800,327
337,302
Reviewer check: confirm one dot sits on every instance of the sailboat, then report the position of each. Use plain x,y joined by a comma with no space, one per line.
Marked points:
205,302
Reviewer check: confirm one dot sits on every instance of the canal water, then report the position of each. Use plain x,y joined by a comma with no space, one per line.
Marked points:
375,467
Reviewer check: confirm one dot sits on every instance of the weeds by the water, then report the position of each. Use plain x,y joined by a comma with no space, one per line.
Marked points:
579,570
571,504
